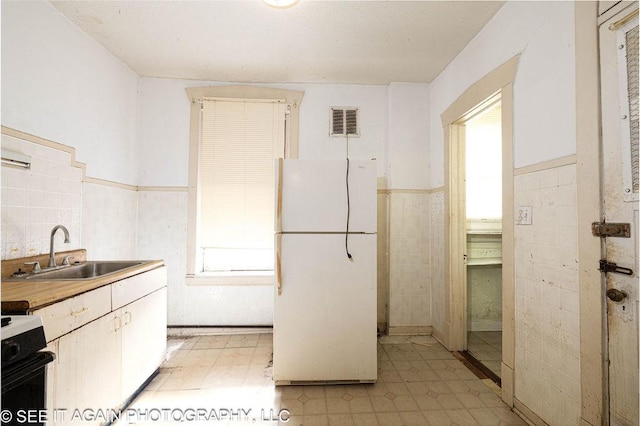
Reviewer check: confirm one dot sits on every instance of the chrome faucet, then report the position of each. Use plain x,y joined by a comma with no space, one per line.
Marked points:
52,253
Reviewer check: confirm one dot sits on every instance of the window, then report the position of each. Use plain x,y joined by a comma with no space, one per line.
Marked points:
236,134
629,114
240,139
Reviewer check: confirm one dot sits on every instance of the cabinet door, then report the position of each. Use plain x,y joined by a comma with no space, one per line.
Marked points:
50,389
144,339
88,370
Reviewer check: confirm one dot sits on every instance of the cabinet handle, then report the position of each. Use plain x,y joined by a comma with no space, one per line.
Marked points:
118,322
127,318
80,312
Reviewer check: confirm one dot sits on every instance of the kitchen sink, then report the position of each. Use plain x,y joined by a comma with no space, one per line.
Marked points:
85,270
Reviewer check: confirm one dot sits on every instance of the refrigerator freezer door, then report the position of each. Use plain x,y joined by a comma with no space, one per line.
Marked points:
313,196
325,316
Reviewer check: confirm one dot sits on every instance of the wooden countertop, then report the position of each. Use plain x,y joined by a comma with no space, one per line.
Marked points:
32,294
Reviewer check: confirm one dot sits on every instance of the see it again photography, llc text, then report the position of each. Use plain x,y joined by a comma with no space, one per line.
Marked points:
135,415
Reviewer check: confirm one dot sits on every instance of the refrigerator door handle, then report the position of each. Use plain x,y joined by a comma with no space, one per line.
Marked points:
280,166
278,265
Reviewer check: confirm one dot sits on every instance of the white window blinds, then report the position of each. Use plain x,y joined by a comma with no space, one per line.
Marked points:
240,140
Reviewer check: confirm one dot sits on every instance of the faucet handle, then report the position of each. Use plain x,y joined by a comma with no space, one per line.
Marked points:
65,260
36,266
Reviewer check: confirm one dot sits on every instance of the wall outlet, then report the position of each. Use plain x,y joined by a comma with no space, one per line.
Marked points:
523,215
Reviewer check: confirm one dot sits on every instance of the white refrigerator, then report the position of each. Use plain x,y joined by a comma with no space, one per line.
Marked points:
325,318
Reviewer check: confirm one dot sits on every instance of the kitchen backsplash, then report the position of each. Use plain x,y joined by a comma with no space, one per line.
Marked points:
37,199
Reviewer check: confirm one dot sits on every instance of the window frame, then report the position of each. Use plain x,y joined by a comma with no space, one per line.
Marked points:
629,195
195,95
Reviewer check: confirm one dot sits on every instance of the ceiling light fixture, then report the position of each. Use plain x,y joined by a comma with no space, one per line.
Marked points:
280,4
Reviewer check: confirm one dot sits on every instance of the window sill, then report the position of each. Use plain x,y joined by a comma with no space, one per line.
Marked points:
230,279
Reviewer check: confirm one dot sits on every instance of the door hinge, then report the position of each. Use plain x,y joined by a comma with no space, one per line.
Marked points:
602,229
612,267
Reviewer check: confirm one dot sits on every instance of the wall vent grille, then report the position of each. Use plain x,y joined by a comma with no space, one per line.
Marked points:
345,122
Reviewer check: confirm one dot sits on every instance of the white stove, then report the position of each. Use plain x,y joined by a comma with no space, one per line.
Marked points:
22,336
16,324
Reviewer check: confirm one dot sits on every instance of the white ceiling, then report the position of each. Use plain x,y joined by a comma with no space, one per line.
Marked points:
355,42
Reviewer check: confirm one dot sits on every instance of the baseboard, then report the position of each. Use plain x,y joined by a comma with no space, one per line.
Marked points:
528,415
410,330
438,336
179,331
485,325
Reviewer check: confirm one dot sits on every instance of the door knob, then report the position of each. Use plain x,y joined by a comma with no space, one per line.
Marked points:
616,295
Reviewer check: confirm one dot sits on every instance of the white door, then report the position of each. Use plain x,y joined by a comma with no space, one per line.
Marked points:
325,314
619,94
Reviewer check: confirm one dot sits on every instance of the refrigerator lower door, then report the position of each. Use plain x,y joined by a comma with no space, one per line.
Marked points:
325,315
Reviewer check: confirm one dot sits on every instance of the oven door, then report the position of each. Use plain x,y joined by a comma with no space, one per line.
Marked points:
24,388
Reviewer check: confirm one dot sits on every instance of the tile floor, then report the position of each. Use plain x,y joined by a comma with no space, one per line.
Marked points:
486,347
420,383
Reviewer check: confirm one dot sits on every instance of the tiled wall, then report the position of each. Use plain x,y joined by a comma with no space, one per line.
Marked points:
409,261
109,217
436,240
547,300
162,234
383,259
100,218
37,199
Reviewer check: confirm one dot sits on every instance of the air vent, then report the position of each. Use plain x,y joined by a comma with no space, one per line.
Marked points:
344,122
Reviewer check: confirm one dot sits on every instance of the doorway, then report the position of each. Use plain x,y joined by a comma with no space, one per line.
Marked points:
495,86
483,207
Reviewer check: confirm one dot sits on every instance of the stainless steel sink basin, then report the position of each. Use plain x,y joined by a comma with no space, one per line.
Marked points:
83,270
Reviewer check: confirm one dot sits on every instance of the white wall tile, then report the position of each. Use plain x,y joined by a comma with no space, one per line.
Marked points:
547,299
409,262
436,244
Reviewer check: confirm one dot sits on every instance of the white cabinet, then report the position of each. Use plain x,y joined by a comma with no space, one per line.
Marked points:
88,368
103,361
133,288
143,340
62,317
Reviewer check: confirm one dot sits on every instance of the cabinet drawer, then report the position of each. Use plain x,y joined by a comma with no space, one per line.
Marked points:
63,317
133,288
